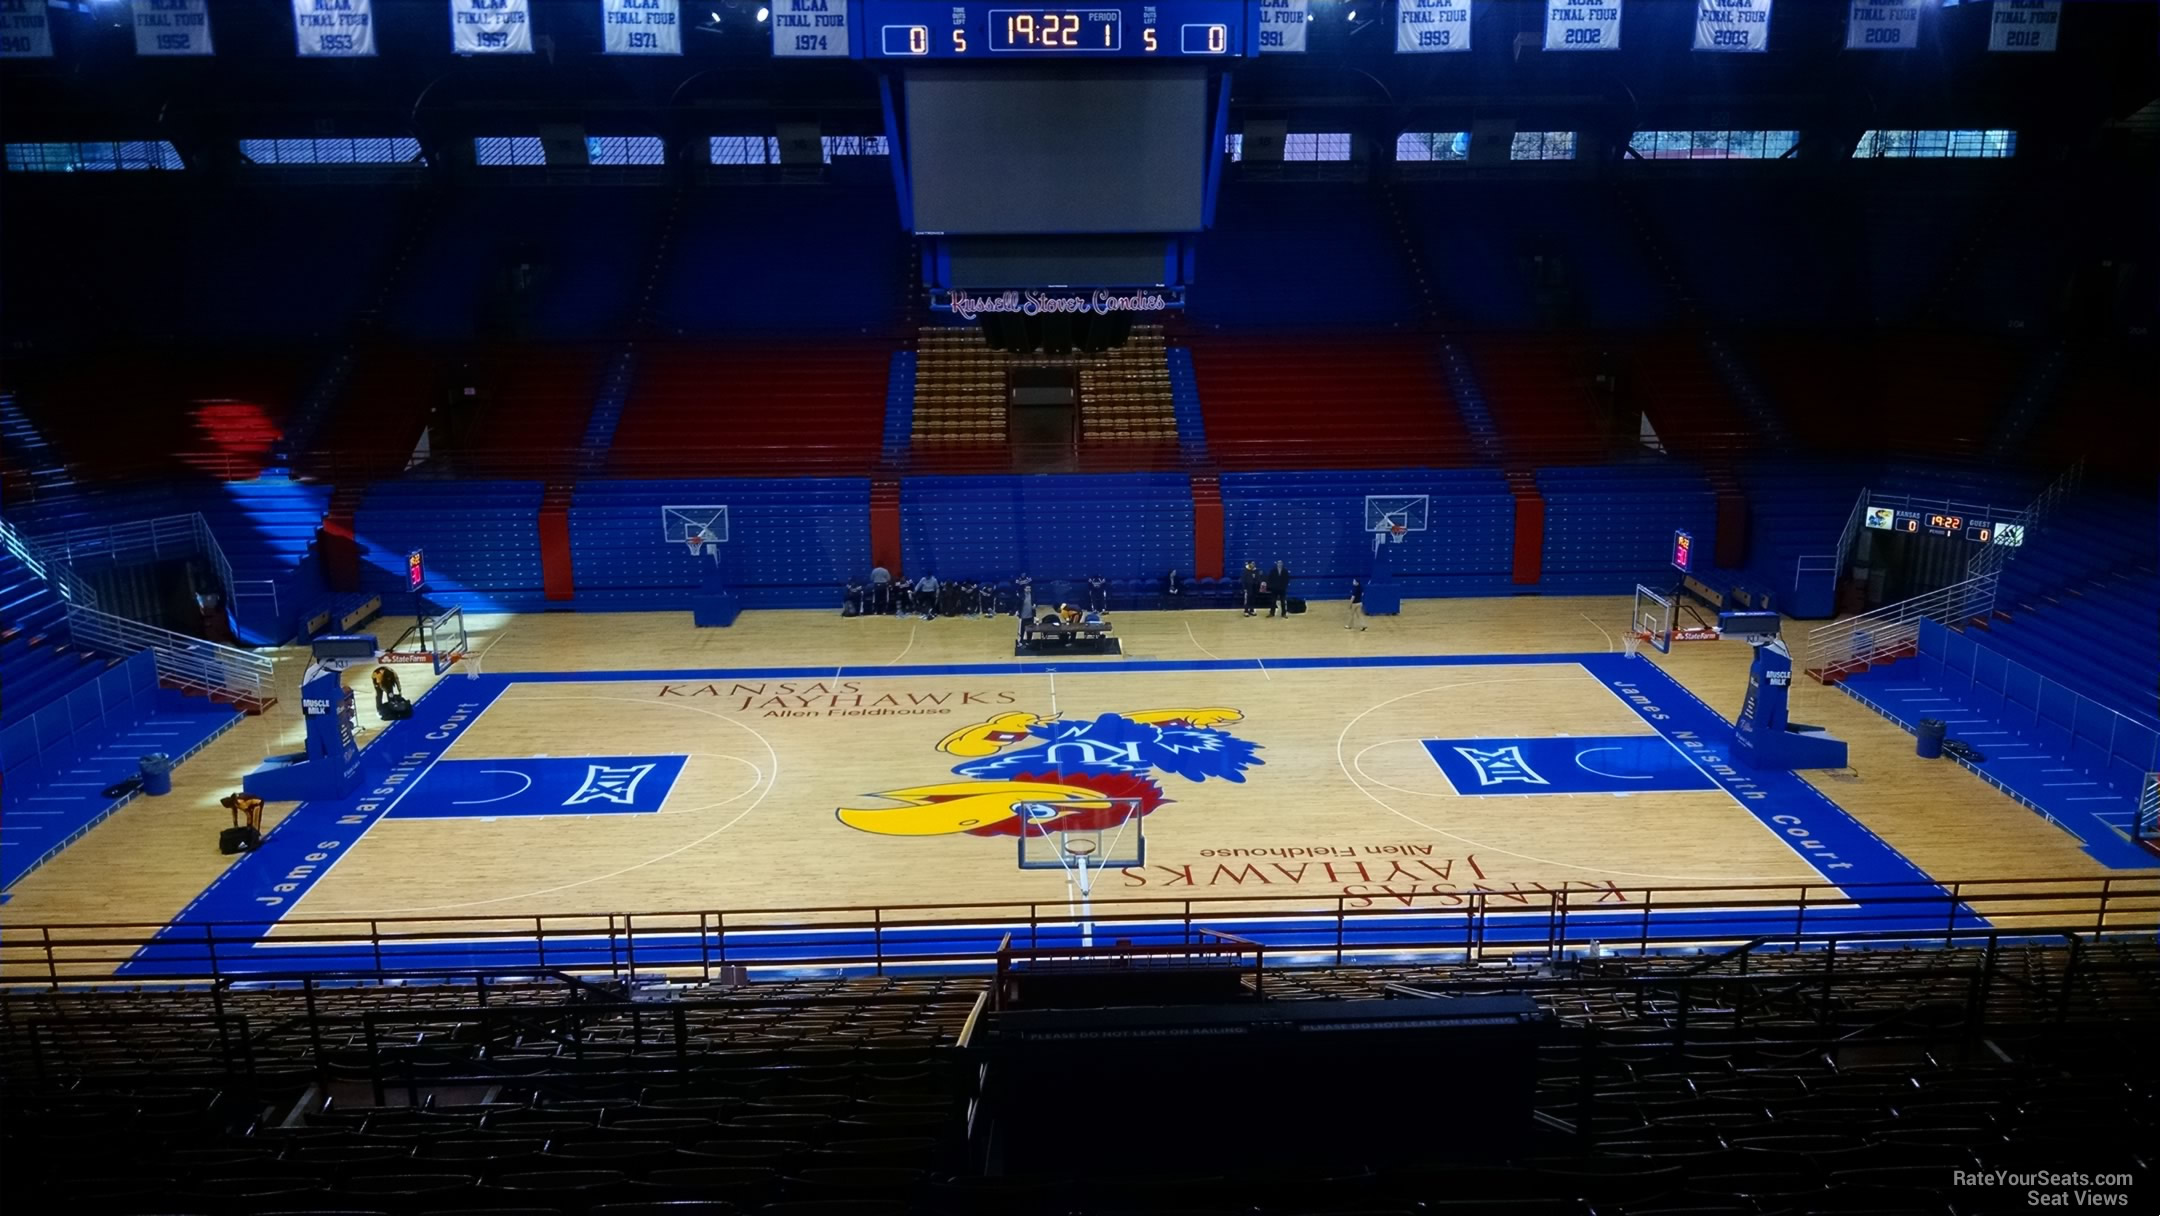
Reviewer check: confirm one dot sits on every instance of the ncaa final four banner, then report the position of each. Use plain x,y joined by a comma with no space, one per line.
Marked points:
1732,25
1282,27
1431,27
1884,25
25,31
2024,25
172,27
810,29
334,29
641,27
1582,25
490,27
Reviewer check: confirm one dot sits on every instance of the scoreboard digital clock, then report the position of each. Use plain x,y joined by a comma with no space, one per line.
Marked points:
1171,29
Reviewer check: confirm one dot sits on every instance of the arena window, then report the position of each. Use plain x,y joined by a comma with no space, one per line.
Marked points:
765,149
510,150
1712,145
1542,145
1432,145
625,150
401,150
1300,146
94,157
1990,144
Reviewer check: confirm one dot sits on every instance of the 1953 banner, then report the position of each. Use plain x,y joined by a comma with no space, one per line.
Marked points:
333,29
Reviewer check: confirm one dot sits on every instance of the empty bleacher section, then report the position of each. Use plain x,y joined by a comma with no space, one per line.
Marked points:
1933,394
2077,598
792,542
526,413
267,529
1546,398
481,540
1552,254
2102,412
1796,517
2037,736
753,409
67,737
1317,252
1607,529
960,421
1670,378
728,275
1284,402
1131,528
1315,523
558,261
191,411
174,261
1805,272
380,417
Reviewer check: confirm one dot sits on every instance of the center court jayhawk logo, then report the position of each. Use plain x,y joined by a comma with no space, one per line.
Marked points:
1071,775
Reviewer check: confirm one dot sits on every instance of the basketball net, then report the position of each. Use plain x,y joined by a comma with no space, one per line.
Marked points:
696,541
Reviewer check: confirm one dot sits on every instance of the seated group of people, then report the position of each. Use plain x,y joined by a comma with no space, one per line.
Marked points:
931,597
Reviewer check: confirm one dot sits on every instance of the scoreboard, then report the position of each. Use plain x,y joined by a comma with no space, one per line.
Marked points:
1945,523
1002,30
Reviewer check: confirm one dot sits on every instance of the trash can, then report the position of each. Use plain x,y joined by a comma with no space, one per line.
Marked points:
1930,732
156,773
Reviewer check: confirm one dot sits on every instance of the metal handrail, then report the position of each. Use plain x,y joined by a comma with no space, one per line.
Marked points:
1471,925
1842,646
189,664
65,582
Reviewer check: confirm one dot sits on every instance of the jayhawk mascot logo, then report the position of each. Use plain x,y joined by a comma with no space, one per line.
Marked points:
1023,773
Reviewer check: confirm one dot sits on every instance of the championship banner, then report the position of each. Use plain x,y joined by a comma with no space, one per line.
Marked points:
1732,25
1427,27
490,27
810,29
172,27
334,29
2025,25
1582,25
25,31
1282,27
641,27
1884,25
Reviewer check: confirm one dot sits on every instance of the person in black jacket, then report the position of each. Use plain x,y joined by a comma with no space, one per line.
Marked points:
1249,582
1357,605
1278,582
1098,593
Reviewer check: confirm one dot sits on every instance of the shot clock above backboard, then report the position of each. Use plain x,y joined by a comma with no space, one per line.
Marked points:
1003,30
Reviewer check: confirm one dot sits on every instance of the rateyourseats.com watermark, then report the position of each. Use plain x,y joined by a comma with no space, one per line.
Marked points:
2054,1188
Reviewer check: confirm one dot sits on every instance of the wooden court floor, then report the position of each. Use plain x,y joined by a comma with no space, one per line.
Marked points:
784,794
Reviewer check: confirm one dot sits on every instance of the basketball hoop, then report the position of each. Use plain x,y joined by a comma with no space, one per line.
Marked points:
1396,532
1080,846
1630,642
696,541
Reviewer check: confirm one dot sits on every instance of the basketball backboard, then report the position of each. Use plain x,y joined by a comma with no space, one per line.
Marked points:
708,522
1118,843
1387,512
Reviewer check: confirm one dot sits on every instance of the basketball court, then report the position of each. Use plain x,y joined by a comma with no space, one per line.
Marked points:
801,769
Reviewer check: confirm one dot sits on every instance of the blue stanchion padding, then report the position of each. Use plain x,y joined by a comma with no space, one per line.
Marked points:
1583,764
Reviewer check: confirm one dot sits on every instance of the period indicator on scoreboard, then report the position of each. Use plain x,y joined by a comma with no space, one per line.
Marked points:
1170,29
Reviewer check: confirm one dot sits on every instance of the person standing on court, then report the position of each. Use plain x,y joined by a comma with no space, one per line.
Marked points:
1026,588
1098,593
1249,581
1357,605
926,595
853,604
881,597
1278,581
1170,591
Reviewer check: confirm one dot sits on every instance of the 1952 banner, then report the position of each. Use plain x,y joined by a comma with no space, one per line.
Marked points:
333,29
490,27
1282,27
1429,27
1732,25
642,27
1582,25
2024,25
172,27
1883,25
25,30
